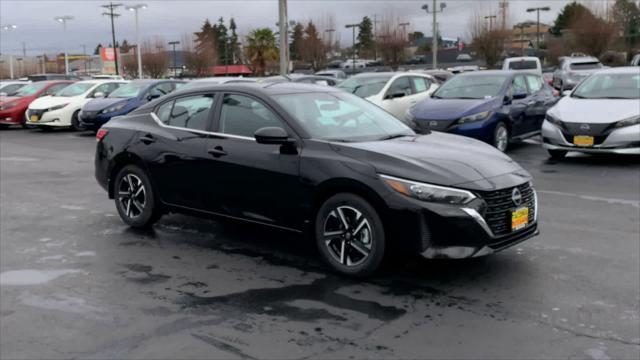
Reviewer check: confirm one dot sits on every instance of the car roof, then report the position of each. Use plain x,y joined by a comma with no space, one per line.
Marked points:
273,88
490,72
620,70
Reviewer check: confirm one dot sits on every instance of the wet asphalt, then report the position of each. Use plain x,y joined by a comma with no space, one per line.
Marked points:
77,283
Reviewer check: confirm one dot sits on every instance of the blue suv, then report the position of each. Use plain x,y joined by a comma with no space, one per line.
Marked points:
497,107
122,101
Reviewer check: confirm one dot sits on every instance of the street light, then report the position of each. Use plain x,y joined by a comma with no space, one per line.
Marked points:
10,27
434,41
135,9
404,28
538,9
63,20
353,46
175,70
490,17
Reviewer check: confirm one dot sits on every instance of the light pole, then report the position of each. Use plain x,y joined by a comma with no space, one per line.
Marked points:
330,31
490,18
282,16
434,43
404,28
538,9
135,9
175,70
10,28
353,46
63,20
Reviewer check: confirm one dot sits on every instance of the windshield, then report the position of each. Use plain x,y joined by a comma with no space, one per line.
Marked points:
609,86
338,116
128,91
31,89
365,86
75,89
11,89
523,65
471,87
585,66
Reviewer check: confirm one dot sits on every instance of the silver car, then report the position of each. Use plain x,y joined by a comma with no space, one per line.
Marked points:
601,115
573,69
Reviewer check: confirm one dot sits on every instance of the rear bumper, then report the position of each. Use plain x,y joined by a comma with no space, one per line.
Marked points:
621,141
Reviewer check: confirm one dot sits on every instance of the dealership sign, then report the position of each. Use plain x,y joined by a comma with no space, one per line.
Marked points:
108,57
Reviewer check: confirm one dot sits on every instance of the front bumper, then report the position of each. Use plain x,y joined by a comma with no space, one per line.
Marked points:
56,118
620,141
12,116
93,120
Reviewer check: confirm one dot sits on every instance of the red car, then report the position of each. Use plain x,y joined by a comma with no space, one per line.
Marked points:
12,108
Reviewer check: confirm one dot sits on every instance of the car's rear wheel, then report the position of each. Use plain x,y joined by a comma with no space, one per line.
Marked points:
349,235
501,137
75,122
135,198
557,154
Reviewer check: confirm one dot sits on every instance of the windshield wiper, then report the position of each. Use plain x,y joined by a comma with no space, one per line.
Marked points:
389,137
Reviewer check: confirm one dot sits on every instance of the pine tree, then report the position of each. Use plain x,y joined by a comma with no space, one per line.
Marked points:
297,39
567,15
97,50
222,41
365,43
234,45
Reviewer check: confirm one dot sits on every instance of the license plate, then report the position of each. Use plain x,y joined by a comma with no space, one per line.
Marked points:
519,218
33,118
583,140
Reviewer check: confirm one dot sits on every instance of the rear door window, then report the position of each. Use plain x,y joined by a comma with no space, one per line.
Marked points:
585,66
523,65
189,112
420,84
400,85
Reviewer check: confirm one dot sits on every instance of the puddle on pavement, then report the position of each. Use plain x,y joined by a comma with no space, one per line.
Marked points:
33,277
142,274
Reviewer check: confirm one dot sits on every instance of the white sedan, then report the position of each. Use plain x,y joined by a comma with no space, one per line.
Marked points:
394,92
601,115
61,109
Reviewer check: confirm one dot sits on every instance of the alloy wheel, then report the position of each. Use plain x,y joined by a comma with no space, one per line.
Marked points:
502,138
348,236
132,195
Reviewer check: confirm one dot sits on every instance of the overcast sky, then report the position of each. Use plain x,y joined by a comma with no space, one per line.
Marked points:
170,19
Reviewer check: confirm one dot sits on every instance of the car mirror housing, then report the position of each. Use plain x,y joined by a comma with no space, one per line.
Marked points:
271,135
99,95
152,96
518,96
507,100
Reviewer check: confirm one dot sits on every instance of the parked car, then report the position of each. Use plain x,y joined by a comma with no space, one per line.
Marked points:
106,77
9,88
601,115
464,58
393,91
301,78
529,64
440,75
572,70
62,108
419,59
12,108
125,99
330,164
338,74
463,68
45,77
216,81
495,106
635,61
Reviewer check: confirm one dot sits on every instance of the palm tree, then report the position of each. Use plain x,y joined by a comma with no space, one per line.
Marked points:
262,48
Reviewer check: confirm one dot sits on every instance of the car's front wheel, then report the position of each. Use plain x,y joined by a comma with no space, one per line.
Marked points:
501,137
75,121
557,154
349,235
135,198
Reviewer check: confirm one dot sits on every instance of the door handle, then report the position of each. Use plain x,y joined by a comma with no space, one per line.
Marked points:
148,139
217,152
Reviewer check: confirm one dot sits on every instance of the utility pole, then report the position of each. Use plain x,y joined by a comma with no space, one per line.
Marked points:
135,9
353,46
175,69
330,31
111,7
538,9
490,18
434,43
63,20
504,5
404,28
375,37
84,57
284,36
521,27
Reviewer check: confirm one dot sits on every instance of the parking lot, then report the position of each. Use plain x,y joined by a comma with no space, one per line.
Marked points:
78,283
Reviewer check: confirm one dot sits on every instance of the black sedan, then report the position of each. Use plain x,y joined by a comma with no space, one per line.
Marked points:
313,159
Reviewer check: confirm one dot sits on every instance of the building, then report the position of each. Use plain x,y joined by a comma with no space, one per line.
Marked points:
527,33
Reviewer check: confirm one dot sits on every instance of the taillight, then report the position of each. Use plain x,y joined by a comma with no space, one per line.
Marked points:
556,93
101,134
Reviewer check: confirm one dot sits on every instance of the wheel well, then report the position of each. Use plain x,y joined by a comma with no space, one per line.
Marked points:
120,162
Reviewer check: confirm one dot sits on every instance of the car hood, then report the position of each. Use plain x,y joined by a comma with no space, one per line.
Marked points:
50,101
441,159
447,109
101,104
594,111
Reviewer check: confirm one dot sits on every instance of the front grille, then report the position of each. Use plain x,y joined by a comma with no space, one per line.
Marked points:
500,205
38,113
435,125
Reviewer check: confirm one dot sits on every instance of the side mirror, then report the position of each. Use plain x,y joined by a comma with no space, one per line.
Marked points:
518,96
271,135
395,95
99,95
507,100
566,93
153,96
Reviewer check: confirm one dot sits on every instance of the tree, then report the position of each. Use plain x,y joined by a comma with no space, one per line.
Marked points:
97,50
312,50
155,60
222,42
365,42
261,48
567,15
590,34
234,45
204,56
626,14
488,43
125,46
297,40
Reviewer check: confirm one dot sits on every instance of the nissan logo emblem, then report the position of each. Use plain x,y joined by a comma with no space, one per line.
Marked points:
433,123
516,197
585,127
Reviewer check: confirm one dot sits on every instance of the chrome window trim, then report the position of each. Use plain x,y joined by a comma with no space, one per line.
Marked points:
155,117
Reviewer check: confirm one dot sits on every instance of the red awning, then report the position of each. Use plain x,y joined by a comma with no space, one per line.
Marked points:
231,70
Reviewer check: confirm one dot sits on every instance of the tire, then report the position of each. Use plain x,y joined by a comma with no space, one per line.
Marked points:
4,126
500,138
349,235
75,122
557,154
140,210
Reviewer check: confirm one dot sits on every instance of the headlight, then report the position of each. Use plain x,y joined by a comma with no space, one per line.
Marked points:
57,107
113,108
475,117
555,121
428,192
635,120
8,105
